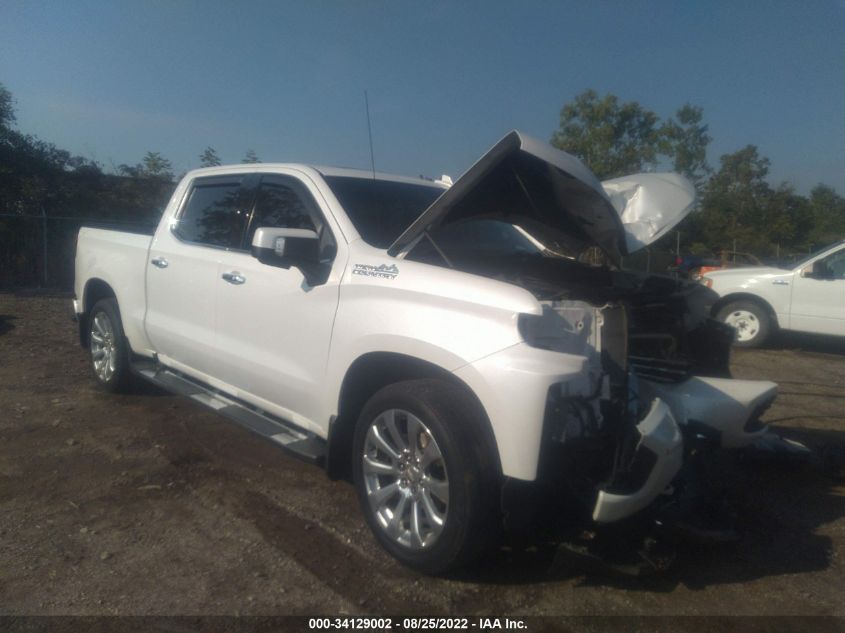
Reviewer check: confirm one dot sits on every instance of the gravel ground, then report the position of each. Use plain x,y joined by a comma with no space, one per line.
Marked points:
148,504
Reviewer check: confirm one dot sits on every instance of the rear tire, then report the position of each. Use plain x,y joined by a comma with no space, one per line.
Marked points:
750,320
426,480
108,348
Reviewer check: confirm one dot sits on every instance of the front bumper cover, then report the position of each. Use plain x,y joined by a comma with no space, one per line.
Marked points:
659,434
730,408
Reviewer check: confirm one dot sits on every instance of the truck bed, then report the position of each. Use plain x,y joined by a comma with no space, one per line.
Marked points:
121,259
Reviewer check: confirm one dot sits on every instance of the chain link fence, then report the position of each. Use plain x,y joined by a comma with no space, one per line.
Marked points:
38,250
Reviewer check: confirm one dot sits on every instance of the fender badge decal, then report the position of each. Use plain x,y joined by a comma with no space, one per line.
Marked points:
383,271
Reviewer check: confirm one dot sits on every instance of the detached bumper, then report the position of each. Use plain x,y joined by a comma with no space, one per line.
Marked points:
661,444
729,409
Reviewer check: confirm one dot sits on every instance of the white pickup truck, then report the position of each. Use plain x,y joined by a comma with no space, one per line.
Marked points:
808,297
445,348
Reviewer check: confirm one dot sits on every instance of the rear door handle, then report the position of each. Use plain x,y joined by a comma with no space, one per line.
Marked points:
159,262
234,278
780,282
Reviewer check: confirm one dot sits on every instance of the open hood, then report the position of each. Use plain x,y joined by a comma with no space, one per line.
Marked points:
527,182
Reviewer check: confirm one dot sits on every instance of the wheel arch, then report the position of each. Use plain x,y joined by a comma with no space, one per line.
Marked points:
95,290
745,296
364,377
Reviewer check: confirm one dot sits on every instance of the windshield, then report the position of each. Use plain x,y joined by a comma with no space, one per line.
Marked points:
381,209
801,262
486,239
477,237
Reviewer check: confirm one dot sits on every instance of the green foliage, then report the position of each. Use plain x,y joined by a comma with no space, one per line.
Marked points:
611,138
251,157
7,108
209,158
37,179
825,216
737,207
616,139
740,209
153,166
685,141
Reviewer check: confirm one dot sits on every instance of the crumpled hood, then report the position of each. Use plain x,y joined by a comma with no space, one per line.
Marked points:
527,182
649,205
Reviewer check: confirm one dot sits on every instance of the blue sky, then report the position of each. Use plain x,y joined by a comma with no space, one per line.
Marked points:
112,80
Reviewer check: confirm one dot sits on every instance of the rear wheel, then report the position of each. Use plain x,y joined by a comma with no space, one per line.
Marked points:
427,485
750,320
108,347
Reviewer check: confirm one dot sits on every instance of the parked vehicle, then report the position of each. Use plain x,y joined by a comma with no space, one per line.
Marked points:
728,259
442,347
687,265
807,297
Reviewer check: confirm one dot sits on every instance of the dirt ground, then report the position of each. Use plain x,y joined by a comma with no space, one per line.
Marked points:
149,504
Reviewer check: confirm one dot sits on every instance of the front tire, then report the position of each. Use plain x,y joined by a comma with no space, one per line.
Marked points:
750,320
108,348
426,482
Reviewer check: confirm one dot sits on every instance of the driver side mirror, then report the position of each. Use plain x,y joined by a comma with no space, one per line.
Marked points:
300,248
283,247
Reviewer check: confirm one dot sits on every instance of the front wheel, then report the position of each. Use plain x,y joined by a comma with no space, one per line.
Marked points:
750,320
425,480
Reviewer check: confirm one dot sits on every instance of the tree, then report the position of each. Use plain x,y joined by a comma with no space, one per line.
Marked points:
685,142
7,108
735,203
251,157
611,138
825,217
615,139
209,158
156,166
152,166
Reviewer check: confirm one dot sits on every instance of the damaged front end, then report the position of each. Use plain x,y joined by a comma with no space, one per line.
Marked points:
655,397
629,463
660,387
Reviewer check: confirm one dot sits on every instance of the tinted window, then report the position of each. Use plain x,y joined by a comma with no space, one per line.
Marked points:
380,209
833,266
214,214
280,206
492,237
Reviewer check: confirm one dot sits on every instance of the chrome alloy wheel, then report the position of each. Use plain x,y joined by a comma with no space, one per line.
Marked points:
406,480
103,347
745,322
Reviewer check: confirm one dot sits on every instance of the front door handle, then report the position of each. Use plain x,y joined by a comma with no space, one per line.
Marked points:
234,278
780,282
159,262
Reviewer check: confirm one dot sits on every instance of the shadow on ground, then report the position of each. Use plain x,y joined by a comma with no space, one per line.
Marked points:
6,324
816,343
